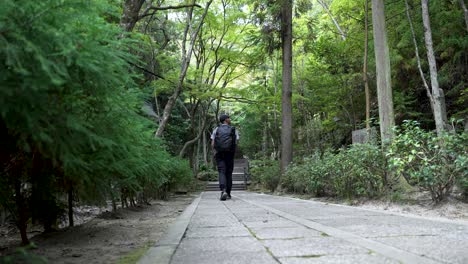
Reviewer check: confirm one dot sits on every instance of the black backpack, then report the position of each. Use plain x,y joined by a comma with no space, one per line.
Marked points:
225,138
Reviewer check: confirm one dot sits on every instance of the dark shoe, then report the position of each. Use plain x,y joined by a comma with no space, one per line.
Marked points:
223,196
228,196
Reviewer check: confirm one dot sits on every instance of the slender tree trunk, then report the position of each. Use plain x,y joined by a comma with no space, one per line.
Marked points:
382,61
158,111
265,140
205,149
70,205
275,135
186,56
465,12
440,115
286,97
364,69
324,5
192,141
112,196
418,59
197,153
22,218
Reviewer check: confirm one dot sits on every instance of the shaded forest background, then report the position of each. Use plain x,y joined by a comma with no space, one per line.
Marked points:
112,100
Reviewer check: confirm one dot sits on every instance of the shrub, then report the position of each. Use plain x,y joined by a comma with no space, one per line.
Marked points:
358,171
430,162
306,177
266,173
23,255
208,175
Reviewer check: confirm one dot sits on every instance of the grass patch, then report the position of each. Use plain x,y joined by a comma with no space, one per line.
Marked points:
324,234
133,256
310,256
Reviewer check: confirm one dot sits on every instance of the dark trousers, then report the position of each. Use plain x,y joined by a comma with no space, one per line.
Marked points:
225,163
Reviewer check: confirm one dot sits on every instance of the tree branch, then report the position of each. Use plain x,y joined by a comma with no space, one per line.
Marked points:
149,72
238,99
161,8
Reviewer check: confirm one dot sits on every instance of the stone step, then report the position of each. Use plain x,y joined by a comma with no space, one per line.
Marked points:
217,183
236,185
232,189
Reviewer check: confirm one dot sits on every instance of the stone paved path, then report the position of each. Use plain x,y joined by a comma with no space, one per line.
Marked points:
256,228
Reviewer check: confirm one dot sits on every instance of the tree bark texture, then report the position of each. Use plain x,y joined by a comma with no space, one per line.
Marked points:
465,12
130,15
440,116
382,61
286,97
186,56
364,70
205,149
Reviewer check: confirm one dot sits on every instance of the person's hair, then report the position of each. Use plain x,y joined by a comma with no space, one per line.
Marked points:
223,117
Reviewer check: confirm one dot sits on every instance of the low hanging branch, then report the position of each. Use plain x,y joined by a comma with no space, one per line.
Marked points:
238,99
161,8
149,72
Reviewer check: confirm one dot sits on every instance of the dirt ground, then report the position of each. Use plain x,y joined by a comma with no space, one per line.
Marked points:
105,238
417,204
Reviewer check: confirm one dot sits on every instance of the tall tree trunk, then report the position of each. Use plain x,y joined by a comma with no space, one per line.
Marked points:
440,116
382,61
70,205
131,11
286,97
186,56
364,69
418,59
465,12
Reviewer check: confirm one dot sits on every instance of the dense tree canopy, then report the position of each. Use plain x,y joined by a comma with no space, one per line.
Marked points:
86,85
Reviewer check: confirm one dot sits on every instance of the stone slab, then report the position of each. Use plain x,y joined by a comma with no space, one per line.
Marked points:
224,258
434,247
270,224
217,232
355,239
284,233
221,250
312,246
342,259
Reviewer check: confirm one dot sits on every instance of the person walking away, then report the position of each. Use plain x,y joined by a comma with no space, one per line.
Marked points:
224,141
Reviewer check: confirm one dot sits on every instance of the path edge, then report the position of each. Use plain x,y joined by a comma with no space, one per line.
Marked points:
164,249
